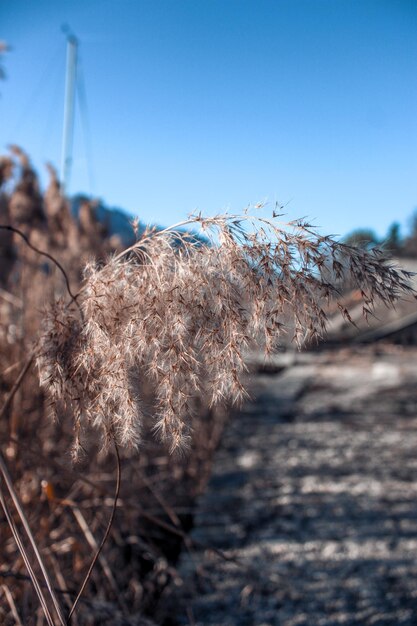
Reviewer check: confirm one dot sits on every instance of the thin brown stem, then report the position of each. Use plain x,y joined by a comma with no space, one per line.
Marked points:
26,559
13,494
106,534
24,578
46,255
12,605
17,384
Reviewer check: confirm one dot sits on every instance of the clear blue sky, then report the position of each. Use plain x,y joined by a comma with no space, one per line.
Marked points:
214,104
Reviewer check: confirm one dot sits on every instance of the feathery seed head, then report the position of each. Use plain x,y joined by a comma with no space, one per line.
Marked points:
180,314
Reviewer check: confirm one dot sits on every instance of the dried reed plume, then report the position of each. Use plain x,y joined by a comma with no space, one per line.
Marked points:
180,312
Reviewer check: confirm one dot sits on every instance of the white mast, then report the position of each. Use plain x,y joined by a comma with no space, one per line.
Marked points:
68,131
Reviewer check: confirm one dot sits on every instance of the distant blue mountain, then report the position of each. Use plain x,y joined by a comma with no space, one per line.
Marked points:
116,221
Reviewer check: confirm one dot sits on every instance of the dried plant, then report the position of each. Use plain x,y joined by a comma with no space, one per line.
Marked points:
176,313
181,314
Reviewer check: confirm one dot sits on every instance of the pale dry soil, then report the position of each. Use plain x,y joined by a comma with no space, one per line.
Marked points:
314,492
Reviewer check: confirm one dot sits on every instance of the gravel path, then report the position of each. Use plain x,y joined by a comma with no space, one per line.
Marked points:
314,492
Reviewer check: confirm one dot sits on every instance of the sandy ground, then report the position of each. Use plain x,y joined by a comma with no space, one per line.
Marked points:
314,493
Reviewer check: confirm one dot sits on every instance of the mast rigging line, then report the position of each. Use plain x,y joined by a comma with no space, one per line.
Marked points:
68,126
75,91
85,123
37,91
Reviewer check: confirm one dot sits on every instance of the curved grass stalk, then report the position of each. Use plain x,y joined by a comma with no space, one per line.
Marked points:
26,559
10,487
106,534
45,254
9,483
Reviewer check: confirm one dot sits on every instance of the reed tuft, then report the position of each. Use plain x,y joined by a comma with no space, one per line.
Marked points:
180,312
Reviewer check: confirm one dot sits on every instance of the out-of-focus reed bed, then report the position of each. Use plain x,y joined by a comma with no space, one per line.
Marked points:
67,505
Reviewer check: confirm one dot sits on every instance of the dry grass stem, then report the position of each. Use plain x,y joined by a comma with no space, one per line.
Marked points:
99,547
26,559
12,605
6,478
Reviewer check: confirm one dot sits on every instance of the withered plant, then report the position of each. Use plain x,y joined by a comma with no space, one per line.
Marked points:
155,333
178,314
